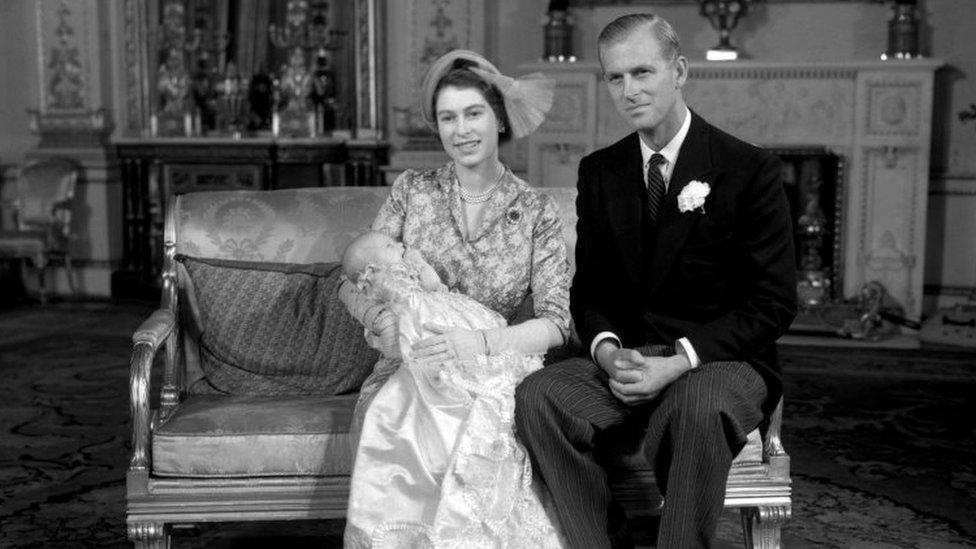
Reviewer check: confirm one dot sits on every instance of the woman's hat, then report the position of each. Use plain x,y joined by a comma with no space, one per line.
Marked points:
527,99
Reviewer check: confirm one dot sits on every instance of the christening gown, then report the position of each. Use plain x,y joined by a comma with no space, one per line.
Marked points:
438,464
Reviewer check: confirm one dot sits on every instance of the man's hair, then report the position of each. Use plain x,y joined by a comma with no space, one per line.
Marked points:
623,26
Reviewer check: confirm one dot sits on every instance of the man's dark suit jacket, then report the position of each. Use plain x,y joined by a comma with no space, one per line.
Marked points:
724,278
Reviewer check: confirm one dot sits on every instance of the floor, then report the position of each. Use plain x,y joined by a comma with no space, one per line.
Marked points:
882,441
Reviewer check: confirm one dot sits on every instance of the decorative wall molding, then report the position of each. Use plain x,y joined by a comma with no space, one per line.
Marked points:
888,241
70,72
952,185
369,123
895,108
64,85
948,290
136,50
778,110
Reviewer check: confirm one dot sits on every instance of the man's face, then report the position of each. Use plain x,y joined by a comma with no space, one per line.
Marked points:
644,85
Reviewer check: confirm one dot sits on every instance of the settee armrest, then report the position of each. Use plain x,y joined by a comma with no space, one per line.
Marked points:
773,451
146,341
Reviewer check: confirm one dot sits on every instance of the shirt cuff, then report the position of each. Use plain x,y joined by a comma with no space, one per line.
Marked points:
599,338
689,352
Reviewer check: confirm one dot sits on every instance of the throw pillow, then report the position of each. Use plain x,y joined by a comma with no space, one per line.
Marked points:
274,328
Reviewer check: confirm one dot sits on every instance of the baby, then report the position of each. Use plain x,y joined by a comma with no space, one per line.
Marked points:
403,281
377,251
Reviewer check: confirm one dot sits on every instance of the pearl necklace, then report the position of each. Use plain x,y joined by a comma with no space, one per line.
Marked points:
471,198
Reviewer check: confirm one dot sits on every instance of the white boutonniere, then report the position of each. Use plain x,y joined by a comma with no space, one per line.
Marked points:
692,196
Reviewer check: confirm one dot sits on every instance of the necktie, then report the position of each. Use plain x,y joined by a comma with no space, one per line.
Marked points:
655,186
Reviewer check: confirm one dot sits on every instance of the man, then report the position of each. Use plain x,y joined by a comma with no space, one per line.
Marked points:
685,279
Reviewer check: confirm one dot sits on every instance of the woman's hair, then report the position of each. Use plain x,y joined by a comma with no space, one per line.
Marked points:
460,77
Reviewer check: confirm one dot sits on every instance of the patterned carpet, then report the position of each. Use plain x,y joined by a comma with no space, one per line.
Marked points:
883,443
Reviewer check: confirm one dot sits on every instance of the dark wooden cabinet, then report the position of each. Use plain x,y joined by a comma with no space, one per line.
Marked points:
152,169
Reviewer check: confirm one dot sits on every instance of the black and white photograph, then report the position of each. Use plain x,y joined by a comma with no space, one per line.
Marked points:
431,274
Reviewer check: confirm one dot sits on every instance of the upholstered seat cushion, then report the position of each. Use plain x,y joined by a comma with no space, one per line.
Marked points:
220,436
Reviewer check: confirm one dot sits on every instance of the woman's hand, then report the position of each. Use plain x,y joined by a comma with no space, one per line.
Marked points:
449,344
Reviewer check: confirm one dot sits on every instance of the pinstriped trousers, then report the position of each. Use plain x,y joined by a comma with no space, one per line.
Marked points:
691,432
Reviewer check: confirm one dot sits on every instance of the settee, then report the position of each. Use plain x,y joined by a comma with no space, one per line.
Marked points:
244,380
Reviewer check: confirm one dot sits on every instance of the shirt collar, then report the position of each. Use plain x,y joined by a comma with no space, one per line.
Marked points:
670,151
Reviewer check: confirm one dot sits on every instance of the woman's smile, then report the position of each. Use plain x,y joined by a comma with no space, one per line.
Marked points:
469,146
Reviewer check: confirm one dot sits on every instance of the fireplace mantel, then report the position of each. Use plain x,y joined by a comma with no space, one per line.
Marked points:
877,115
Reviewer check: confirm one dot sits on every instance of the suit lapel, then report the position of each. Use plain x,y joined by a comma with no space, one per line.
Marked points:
622,190
693,162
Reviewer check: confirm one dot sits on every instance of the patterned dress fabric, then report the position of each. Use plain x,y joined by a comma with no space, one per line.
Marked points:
438,464
519,249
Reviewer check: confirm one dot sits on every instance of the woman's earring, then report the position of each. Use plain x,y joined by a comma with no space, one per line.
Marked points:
501,128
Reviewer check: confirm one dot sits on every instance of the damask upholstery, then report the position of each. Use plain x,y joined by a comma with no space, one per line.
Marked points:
276,328
231,436
292,226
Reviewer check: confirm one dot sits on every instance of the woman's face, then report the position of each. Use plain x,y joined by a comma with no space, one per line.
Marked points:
467,126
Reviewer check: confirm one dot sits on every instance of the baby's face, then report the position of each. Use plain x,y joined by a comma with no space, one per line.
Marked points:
387,250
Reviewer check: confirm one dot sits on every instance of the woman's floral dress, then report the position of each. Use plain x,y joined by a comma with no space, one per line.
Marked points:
438,464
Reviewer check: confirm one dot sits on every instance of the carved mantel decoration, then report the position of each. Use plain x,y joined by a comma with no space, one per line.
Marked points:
876,116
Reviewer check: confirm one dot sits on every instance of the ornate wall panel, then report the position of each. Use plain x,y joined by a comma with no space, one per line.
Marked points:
888,245
70,71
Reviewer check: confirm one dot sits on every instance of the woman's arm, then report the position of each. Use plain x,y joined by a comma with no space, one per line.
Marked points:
534,336
550,290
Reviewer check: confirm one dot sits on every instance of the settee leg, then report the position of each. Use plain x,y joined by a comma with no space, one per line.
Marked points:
762,525
149,535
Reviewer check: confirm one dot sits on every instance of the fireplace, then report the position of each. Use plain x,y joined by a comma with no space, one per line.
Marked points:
813,178
863,128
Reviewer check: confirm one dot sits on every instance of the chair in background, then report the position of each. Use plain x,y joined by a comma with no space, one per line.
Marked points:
42,203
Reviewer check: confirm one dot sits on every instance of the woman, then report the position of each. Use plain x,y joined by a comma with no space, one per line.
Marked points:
437,463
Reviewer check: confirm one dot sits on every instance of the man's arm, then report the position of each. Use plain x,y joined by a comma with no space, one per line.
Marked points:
584,295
